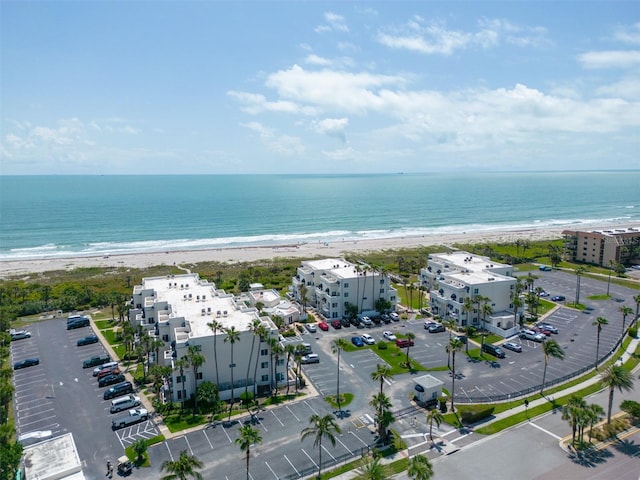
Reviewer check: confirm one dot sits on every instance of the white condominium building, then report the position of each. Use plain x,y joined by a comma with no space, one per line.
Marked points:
180,310
453,277
332,284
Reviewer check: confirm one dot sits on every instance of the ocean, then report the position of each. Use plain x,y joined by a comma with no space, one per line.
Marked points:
58,216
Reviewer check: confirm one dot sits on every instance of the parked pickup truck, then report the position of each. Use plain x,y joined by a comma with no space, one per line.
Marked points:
134,415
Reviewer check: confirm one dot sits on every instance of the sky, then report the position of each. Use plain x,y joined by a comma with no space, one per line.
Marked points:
288,87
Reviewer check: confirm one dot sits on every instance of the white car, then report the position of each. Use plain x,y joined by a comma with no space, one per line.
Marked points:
368,339
133,416
20,334
312,328
389,336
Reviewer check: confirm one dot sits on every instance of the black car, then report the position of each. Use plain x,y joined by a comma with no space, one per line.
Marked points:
111,379
558,298
78,323
87,340
95,361
27,362
118,390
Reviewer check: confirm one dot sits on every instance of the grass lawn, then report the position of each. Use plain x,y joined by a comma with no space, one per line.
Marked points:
345,399
110,336
602,296
396,357
183,420
104,324
120,351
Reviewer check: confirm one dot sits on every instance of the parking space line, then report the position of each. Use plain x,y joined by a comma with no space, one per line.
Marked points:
37,413
271,470
274,414
545,430
345,447
309,457
292,466
362,441
325,449
312,409
225,432
186,439
168,450
207,437
291,412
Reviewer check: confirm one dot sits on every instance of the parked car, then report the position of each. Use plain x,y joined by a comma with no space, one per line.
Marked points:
345,322
386,318
542,330
368,339
357,341
111,379
117,390
311,358
304,349
336,324
366,322
105,366
377,320
543,294
107,371
513,346
493,350
27,362
429,323
355,321
311,327
87,340
548,327
20,334
78,323
404,342
462,338
134,415
389,335
558,298
438,327
95,361
544,268
323,326
394,316
531,335
124,403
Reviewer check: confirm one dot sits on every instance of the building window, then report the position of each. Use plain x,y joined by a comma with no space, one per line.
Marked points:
334,305
179,379
280,362
264,351
199,375
382,281
346,294
279,377
265,378
165,338
179,394
381,290
346,285
475,290
264,365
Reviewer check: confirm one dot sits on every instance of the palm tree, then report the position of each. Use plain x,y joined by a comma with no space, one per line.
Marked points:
277,350
635,318
382,405
467,307
454,345
140,448
232,337
290,350
420,468
196,359
382,372
216,327
253,326
183,468
485,310
580,269
337,346
181,364
599,322
550,348
248,436
434,416
410,337
616,377
571,412
596,413
372,469
262,333
321,427
625,311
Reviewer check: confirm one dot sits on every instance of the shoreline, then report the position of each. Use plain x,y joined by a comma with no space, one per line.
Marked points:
242,254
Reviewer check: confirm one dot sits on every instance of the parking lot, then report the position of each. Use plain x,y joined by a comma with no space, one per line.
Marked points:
59,396
280,455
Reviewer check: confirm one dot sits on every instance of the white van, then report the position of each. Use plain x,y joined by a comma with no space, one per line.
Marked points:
104,366
124,403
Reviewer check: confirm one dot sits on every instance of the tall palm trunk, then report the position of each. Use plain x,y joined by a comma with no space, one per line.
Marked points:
246,382
232,392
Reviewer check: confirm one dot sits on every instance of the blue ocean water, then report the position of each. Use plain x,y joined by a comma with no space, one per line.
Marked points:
53,216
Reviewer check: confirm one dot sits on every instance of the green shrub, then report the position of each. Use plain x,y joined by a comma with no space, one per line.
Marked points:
631,407
383,345
289,333
474,413
633,332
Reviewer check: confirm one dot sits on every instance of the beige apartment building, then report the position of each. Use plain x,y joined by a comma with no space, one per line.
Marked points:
601,247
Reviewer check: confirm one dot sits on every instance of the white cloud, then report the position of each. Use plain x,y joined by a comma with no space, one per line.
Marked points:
317,60
434,38
628,34
333,127
282,144
334,23
628,88
610,59
256,103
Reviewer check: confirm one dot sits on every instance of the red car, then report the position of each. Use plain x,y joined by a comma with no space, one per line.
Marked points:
404,342
323,326
336,324
542,330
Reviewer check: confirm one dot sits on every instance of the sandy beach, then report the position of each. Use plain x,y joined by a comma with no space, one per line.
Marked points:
250,254
18,268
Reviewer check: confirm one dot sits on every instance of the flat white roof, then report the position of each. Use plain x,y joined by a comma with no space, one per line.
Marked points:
428,381
199,303
56,458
